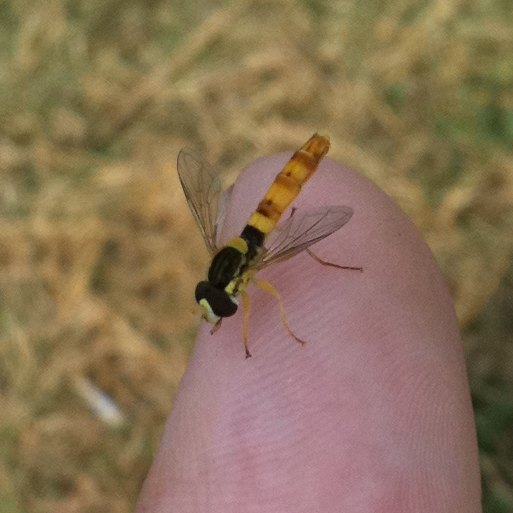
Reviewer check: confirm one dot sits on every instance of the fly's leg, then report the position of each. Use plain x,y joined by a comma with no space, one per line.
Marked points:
245,321
320,260
267,287
329,264
216,326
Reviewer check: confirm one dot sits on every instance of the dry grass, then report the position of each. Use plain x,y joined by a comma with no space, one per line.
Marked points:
97,254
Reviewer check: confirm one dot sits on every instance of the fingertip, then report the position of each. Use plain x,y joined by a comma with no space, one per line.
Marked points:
364,413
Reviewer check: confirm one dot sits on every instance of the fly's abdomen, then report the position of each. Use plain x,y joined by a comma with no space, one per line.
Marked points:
288,183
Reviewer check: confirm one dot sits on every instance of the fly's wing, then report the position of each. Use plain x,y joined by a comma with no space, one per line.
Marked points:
301,230
222,209
203,190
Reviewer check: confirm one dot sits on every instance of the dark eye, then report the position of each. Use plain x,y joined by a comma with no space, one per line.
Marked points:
218,299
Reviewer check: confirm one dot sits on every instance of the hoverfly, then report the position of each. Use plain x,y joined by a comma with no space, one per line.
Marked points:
235,264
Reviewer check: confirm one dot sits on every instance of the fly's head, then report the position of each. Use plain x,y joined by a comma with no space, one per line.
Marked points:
215,303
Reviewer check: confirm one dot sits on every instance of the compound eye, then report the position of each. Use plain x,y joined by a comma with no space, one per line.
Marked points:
219,301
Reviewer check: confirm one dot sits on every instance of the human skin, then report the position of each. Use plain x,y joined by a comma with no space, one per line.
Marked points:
371,415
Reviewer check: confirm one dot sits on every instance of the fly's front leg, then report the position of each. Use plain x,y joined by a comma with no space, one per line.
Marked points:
216,326
267,287
329,264
245,321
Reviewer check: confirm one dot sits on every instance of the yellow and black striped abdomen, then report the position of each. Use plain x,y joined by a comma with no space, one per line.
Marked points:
288,183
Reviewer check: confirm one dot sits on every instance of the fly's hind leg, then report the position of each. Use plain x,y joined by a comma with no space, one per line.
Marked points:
329,264
267,287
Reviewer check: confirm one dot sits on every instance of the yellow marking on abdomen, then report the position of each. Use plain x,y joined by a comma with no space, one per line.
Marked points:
239,244
288,183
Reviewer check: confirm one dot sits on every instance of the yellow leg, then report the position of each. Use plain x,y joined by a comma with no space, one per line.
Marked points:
245,321
323,262
267,287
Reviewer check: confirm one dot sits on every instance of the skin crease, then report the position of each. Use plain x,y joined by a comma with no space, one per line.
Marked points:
372,415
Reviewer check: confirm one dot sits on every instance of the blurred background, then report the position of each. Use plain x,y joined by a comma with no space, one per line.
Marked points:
99,254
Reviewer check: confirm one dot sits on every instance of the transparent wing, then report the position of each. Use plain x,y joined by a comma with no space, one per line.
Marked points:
222,210
301,230
203,191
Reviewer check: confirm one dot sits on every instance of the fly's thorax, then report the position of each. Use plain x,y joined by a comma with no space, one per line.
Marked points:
228,263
